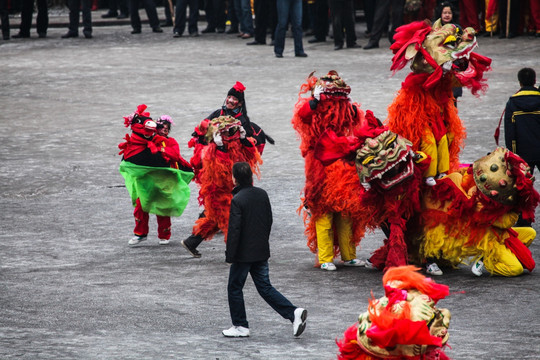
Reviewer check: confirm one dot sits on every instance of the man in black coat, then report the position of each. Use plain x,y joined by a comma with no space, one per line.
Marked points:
248,250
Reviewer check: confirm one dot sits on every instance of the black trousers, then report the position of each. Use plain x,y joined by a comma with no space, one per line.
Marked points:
42,20
74,6
151,12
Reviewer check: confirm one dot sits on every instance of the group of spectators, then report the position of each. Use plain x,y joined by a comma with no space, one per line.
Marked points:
256,19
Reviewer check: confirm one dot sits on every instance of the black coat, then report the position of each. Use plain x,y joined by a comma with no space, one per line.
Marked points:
522,124
250,222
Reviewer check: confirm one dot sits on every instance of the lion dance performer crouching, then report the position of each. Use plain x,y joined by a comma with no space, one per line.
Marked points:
471,214
227,144
331,193
423,110
404,324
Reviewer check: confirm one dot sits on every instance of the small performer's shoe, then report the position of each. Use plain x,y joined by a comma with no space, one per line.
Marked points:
430,181
136,240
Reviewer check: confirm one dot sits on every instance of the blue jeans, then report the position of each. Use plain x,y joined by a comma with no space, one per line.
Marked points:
289,10
259,273
242,8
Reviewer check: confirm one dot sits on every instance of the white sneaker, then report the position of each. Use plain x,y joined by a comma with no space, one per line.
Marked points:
136,239
328,266
164,241
299,323
478,267
368,264
430,181
433,269
354,262
236,331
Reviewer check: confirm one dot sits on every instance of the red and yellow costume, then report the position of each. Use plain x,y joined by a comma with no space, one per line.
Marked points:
470,214
331,193
391,173
405,324
423,110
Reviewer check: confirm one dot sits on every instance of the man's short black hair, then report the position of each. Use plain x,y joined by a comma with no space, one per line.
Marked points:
527,77
242,173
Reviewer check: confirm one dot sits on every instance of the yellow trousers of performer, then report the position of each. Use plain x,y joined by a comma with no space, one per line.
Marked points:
438,151
491,24
325,237
508,264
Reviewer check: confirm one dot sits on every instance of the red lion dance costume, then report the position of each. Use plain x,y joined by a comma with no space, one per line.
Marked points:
331,193
226,144
470,214
405,324
423,110
391,173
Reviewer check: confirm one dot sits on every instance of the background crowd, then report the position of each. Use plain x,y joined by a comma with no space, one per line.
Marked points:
256,20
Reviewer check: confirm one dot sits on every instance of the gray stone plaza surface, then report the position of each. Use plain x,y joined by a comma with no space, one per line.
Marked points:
71,288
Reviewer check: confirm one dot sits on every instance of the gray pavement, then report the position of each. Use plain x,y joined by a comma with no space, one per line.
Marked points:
70,288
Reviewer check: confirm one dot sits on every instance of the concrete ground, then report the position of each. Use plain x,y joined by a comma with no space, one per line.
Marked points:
71,288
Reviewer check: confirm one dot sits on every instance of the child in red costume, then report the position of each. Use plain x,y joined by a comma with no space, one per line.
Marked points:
164,193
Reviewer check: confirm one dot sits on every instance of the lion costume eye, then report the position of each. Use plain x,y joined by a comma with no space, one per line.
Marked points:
390,142
450,41
368,160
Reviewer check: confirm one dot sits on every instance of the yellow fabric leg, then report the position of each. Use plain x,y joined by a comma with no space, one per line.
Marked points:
443,156
526,235
507,264
325,238
429,147
344,232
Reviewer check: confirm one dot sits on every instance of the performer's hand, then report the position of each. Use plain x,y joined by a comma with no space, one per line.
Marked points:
242,132
317,92
217,139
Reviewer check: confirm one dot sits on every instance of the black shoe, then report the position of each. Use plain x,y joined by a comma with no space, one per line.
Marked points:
5,37
70,34
232,31
301,54
166,24
220,30
87,35
176,34
315,40
512,35
255,42
208,31
109,15
502,35
42,35
124,16
279,55
21,36
191,243
157,30
371,45
338,47
195,34
354,46
136,31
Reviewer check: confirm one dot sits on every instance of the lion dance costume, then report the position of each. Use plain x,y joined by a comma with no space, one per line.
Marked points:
331,193
405,324
155,173
470,214
391,172
226,143
423,110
